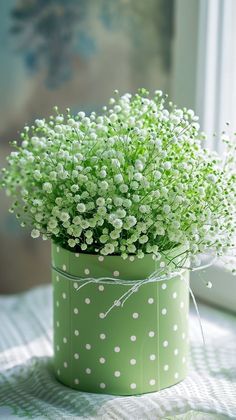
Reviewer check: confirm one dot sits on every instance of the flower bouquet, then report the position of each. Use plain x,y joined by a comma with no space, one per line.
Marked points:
129,199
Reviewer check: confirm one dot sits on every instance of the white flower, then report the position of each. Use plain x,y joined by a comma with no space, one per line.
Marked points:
157,174
35,233
47,186
120,213
123,188
100,201
118,179
167,165
103,173
131,221
81,207
138,176
71,243
104,185
64,216
117,223
118,201
37,174
143,239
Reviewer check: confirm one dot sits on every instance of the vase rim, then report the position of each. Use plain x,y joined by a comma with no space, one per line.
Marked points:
164,253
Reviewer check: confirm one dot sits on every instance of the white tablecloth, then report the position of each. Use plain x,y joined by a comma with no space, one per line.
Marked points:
28,388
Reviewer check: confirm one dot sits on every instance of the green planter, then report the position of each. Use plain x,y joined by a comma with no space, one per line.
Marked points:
138,348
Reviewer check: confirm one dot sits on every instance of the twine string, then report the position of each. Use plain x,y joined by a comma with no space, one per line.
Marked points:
155,277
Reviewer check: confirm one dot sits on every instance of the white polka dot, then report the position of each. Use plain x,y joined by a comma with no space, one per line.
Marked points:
77,255
100,288
176,352
152,382
102,385
183,359
88,346
151,333
64,340
150,301
76,381
87,301
175,327
164,311
58,372
131,258
166,367
164,286
64,267
174,295
58,324
64,295
76,311
57,278
58,304
58,348
101,315
88,371
76,355
117,302
176,375
165,343
135,315
76,332
152,357
58,249
86,271
75,284
181,305
102,360
133,386
116,273
100,258
117,349
133,338
65,364
102,336
132,361
117,373
183,335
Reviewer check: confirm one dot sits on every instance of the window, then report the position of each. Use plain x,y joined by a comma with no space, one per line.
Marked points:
205,80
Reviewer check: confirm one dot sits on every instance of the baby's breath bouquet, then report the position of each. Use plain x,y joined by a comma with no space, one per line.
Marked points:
131,181
136,197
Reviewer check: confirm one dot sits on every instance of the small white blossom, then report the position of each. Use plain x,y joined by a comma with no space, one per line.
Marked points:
81,207
35,233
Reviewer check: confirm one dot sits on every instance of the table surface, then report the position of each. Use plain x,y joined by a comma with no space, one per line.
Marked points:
28,388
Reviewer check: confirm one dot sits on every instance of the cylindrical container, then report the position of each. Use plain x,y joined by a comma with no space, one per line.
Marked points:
137,348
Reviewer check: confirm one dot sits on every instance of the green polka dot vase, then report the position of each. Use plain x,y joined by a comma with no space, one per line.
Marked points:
137,348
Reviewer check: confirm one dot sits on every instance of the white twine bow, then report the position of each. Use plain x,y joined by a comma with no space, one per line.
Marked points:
136,284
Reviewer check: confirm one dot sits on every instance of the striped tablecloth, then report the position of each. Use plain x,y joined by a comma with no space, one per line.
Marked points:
28,388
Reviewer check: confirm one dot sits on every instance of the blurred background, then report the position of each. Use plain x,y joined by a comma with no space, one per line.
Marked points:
74,53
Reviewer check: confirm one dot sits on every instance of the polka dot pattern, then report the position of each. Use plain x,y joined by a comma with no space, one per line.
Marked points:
117,373
106,354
